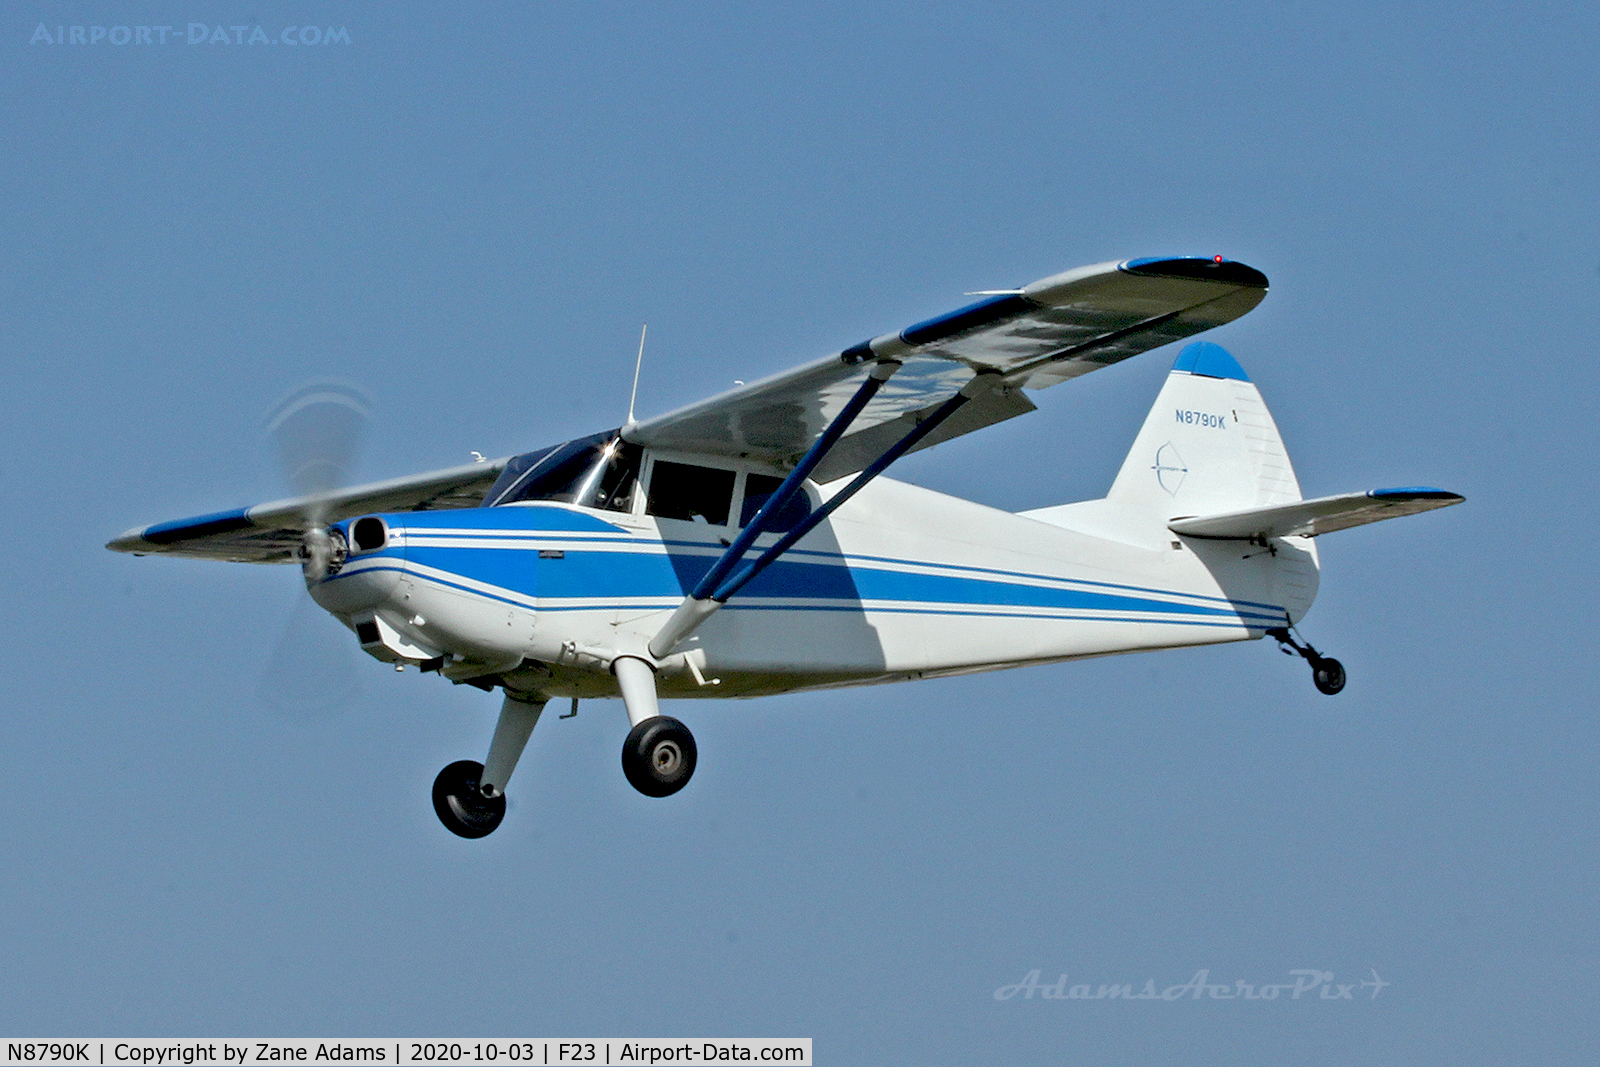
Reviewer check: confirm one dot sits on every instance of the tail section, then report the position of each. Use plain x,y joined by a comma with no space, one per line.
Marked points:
1209,483
1209,445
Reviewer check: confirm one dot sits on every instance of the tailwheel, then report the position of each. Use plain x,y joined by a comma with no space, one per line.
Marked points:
658,757
459,801
1327,673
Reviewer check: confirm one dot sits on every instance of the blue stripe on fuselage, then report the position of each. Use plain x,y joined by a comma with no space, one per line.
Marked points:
636,568
704,552
609,576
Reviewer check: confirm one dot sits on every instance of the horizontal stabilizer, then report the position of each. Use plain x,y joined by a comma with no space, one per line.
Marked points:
1309,518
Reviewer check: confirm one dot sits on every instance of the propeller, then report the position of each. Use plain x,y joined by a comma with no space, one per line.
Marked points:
316,432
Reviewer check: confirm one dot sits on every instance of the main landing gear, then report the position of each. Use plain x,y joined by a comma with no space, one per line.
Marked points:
470,797
1327,673
658,757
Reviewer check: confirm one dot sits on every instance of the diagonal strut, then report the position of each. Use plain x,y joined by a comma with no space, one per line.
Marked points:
715,589
699,605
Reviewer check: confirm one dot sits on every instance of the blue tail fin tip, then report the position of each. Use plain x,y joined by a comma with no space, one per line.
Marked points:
1209,360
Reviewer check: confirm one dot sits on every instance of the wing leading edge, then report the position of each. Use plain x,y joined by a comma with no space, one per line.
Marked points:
271,533
1048,332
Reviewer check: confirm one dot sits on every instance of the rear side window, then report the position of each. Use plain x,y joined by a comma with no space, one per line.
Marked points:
757,488
695,494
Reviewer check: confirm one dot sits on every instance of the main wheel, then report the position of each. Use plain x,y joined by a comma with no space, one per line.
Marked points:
461,805
658,756
1328,674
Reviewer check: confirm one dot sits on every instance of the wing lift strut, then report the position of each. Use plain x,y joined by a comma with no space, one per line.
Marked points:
723,581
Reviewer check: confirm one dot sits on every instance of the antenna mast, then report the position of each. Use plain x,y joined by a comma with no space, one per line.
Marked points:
636,365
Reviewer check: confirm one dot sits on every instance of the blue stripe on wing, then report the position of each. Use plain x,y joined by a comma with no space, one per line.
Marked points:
166,533
973,316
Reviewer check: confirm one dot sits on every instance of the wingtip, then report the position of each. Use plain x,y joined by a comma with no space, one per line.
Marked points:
1417,492
130,541
1205,268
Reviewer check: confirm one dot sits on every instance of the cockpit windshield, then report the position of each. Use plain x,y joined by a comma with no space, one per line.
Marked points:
596,472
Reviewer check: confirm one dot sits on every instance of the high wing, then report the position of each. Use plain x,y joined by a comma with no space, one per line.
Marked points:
1312,517
1050,331
1047,332
271,533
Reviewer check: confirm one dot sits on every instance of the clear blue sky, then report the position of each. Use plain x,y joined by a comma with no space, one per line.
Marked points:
471,212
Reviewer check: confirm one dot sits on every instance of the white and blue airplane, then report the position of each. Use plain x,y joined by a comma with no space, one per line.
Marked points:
750,544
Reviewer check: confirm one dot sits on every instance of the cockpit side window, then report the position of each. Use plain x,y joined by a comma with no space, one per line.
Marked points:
759,487
613,489
685,491
597,472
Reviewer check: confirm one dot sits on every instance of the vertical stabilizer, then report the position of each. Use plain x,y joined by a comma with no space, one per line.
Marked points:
1209,445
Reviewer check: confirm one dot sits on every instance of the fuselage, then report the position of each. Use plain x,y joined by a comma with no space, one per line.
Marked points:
900,583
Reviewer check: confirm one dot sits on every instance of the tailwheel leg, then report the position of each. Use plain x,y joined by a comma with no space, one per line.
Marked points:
659,755
470,797
1327,673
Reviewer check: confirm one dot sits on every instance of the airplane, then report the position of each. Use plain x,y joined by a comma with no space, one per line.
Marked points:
750,544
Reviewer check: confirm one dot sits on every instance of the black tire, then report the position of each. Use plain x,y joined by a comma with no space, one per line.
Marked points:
1328,674
658,757
461,806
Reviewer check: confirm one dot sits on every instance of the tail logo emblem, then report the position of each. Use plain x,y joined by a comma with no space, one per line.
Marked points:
1169,468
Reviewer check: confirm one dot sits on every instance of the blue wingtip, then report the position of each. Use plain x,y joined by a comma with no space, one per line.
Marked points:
1207,268
1210,360
1414,492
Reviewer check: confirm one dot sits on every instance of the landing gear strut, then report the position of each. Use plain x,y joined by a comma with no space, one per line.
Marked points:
470,797
1327,673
